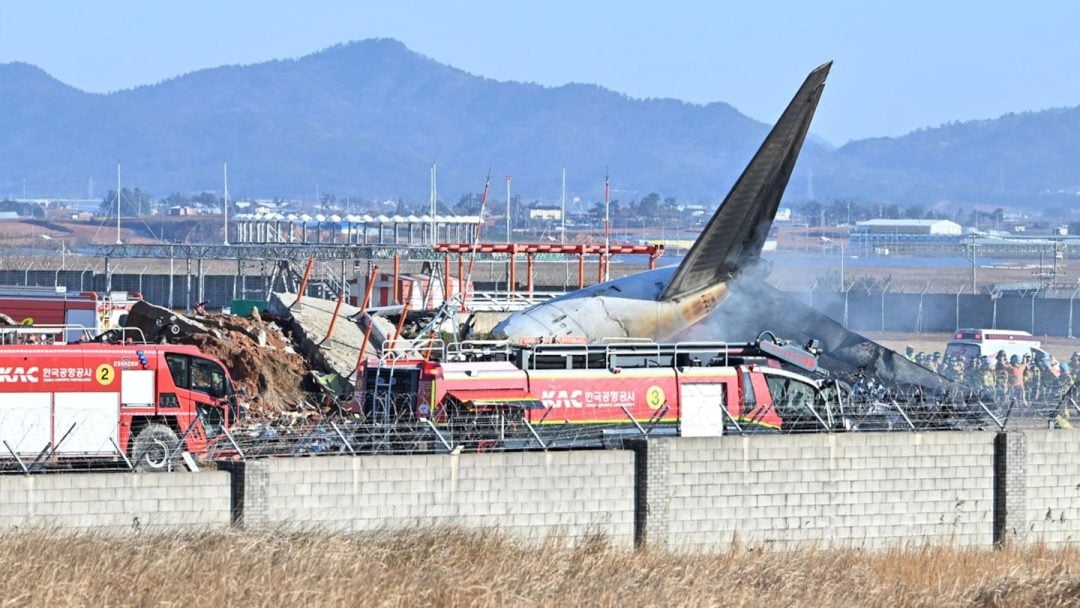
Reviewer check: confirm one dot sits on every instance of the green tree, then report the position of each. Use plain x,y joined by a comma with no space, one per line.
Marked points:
132,203
649,206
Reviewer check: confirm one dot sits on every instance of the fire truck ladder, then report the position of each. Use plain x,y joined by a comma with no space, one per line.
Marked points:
382,401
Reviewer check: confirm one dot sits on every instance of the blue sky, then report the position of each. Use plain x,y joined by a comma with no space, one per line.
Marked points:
899,65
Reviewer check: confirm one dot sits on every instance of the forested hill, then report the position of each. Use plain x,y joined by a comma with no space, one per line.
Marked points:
1025,159
368,118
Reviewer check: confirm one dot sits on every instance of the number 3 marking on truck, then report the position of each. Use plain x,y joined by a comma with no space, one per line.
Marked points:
105,374
655,397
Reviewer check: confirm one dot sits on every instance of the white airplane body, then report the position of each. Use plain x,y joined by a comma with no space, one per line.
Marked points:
661,303
628,307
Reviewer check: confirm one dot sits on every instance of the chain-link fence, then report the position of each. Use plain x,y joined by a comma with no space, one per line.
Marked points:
35,443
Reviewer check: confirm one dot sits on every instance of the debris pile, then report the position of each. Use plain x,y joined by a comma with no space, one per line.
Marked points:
257,352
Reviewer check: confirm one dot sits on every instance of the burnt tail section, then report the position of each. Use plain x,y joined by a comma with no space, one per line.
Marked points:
736,233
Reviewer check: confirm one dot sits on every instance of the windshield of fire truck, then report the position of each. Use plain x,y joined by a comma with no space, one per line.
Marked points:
794,401
208,377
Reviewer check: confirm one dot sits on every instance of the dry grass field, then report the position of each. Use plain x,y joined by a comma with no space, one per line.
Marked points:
447,567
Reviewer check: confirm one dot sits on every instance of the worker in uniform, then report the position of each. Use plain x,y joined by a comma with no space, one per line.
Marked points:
953,369
1063,394
935,361
1031,379
909,353
988,381
973,372
1015,380
1001,374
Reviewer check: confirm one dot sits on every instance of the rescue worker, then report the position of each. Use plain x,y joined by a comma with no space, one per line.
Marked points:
1001,374
1015,380
973,375
953,369
988,380
909,353
1061,395
1065,380
1031,379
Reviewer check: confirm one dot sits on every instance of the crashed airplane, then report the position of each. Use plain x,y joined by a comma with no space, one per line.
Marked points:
661,303
719,289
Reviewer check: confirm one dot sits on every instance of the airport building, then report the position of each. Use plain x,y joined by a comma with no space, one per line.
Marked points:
904,237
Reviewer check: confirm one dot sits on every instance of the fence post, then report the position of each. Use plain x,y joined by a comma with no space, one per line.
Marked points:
919,317
847,290
884,288
958,292
1071,298
1033,296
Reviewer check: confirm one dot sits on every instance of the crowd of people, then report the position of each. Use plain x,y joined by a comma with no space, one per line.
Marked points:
1024,379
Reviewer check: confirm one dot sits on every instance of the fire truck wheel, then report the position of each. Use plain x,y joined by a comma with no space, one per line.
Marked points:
152,447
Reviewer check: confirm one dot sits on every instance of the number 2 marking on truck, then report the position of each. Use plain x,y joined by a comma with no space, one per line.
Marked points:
105,374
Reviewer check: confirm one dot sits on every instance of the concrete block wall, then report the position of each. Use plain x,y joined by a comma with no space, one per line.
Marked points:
528,495
1052,475
865,490
116,502
868,490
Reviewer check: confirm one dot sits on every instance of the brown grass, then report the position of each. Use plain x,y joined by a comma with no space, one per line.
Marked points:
449,567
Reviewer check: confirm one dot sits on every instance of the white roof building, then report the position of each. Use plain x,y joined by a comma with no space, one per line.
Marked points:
922,227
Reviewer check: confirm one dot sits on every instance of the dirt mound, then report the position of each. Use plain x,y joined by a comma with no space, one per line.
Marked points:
256,351
260,358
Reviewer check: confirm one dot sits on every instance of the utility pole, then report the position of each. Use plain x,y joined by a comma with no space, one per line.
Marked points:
433,204
974,290
226,169
562,201
507,208
607,226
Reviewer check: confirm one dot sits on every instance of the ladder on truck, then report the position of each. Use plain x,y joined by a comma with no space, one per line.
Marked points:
382,400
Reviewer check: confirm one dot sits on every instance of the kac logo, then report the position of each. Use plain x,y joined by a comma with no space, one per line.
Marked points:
18,374
561,399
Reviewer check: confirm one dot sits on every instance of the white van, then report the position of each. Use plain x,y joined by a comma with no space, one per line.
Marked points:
971,343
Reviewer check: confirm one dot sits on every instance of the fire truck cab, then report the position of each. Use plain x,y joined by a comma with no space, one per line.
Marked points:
689,389
96,400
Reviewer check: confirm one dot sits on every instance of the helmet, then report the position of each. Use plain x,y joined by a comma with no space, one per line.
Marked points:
1014,359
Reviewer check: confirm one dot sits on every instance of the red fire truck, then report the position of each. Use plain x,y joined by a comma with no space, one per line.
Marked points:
93,401
51,306
491,392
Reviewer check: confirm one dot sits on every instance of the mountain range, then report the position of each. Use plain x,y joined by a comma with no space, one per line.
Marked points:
367,119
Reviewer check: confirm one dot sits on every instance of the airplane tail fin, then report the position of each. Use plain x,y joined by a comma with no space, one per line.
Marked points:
735,235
